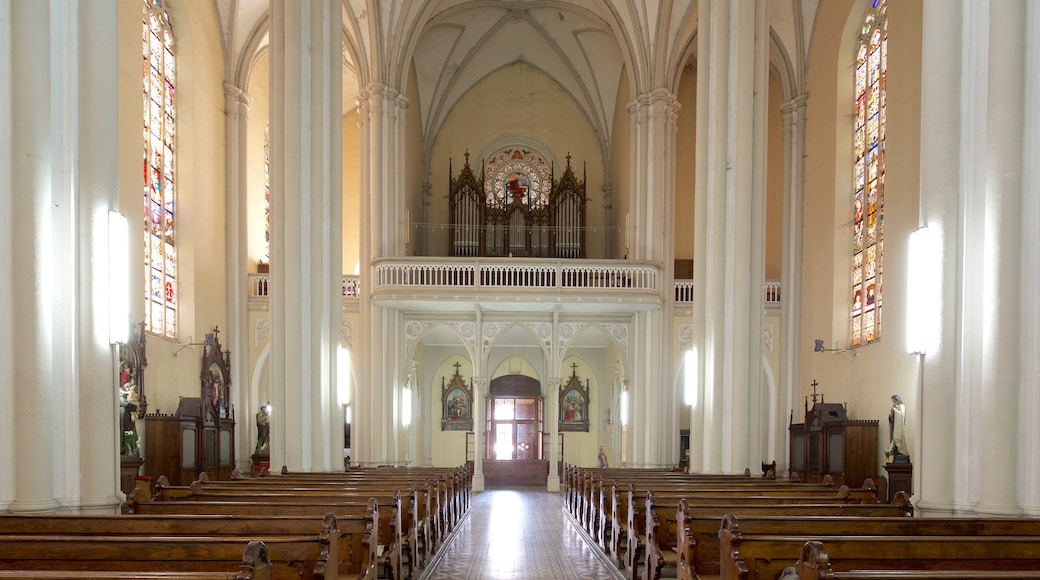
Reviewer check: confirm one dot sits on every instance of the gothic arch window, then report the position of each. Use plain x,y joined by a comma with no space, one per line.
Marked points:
159,68
869,175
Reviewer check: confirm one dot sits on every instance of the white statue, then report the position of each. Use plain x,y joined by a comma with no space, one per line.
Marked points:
897,428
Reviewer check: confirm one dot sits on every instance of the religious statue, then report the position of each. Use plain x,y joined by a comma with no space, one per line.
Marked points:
263,430
897,449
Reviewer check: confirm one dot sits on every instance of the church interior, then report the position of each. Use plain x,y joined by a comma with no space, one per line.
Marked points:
520,236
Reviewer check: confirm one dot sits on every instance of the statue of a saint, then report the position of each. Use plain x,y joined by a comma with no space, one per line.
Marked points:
897,429
263,430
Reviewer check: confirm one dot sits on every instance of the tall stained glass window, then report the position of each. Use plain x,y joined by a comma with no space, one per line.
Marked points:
267,194
868,200
159,68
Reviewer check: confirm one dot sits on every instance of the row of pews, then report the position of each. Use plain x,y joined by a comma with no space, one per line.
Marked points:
659,522
361,524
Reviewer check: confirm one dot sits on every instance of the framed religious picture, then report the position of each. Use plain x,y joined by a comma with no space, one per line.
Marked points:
456,403
574,403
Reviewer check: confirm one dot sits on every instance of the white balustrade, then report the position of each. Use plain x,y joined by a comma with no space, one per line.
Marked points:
472,275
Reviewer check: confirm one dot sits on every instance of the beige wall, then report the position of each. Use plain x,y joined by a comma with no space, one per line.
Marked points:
199,183
351,193
774,180
621,166
866,377
414,170
685,171
523,100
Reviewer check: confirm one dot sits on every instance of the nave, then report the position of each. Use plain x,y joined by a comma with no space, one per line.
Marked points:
517,534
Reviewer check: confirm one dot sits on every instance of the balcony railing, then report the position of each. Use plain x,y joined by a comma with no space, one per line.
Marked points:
518,273
545,276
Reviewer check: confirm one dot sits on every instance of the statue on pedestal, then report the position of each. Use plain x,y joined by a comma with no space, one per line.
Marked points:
897,449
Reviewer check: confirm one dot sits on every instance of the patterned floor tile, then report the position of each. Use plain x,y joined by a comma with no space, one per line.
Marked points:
514,534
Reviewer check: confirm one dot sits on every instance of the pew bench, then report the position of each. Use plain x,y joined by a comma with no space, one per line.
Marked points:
255,566
815,564
356,534
384,540
286,556
697,526
750,556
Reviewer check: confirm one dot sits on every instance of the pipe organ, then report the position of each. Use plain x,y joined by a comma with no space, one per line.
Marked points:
516,208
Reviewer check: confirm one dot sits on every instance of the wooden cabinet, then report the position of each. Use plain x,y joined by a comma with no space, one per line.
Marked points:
829,443
200,435
189,442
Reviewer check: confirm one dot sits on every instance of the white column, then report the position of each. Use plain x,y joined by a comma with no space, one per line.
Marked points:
8,428
236,109
938,475
977,382
58,161
552,421
381,114
1029,398
652,117
790,277
729,240
480,393
306,202
1001,381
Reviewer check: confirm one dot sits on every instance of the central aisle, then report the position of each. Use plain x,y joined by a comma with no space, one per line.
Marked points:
518,534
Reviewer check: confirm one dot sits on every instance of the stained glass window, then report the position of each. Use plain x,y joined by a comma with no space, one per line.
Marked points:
158,66
267,194
869,175
517,174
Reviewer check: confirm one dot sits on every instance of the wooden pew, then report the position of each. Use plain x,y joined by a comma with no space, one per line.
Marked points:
749,555
288,556
255,566
400,532
355,548
814,564
697,526
640,520
386,530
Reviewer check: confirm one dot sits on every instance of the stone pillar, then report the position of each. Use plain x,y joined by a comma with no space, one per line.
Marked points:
1029,398
653,127
552,419
58,181
381,114
236,108
306,202
729,248
790,278
978,154
480,393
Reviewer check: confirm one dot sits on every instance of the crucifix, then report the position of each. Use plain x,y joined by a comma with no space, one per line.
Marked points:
574,369
457,365
814,394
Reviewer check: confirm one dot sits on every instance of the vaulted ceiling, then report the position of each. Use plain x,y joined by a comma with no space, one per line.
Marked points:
586,46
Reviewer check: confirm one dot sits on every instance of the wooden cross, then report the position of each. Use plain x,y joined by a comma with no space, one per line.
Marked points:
574,371
814,395
457,365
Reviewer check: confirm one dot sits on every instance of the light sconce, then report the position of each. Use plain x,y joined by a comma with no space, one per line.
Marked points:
818,347
208,342
118,278
921,292
624,403
406,406
690,379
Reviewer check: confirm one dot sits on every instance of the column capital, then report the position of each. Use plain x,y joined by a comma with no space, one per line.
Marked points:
479,382
232,93
555,382
793,110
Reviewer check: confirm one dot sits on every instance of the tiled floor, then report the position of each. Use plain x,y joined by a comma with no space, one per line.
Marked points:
518,534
